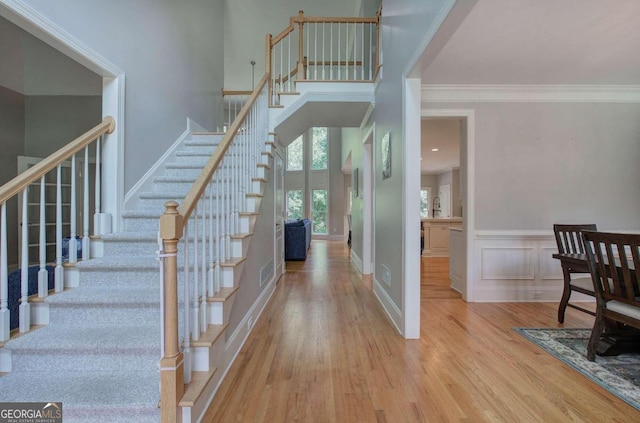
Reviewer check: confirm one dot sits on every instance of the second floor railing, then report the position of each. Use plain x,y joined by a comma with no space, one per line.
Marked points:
60,194
322,49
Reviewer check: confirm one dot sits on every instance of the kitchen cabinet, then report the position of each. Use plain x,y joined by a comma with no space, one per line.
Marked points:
436,235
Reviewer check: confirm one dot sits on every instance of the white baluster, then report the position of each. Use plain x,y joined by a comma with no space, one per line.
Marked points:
43,275
324,58
59,274
289,63
196,279
315,52
227,217
370,51
355,49
5,324
186,316
331,51
97,230
85,203
219,239
281,68
339,45
307,54
73,246
203,266
211,275
362,54
25,308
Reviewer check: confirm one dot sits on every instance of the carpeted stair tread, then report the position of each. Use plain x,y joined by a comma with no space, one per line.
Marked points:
91,338
142,262
133,390
109,296
131,236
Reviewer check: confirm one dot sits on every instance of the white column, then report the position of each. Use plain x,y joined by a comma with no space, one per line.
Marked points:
73,245
59,274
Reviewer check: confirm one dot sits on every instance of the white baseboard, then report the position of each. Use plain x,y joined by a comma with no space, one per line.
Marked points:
388,305
357,261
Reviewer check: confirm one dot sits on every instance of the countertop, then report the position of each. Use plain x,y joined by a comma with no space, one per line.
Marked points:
443,220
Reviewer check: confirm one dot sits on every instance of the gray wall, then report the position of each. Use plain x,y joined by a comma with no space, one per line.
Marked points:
12,122
53,121
405,25
543,163
171,53
247,22
352,145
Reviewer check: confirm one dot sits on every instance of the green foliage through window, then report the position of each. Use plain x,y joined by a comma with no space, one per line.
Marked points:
424,203
319,148
294,204
295,155
319,211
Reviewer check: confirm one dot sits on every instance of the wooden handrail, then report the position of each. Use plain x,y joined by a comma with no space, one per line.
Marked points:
334,20
23,180
191,200
236,92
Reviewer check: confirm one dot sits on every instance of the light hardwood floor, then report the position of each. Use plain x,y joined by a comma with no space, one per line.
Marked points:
324,351
434,279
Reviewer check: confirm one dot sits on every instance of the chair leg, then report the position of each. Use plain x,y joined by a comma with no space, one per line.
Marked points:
598,327
566,294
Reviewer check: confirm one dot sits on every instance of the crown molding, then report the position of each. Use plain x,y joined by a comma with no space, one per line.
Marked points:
530,93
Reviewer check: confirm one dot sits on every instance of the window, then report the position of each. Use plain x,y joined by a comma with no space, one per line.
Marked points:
319,211
294,204
295,154
424,202
319,148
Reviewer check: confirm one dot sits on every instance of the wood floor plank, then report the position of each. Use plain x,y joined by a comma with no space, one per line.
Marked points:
324,351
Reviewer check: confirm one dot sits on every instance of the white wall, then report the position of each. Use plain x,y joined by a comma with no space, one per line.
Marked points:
543,163
171,53
337,207
247,23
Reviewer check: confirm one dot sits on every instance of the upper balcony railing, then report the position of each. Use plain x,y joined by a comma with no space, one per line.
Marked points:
322,49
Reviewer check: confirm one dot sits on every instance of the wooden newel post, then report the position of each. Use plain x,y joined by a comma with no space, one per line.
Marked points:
301,68
171,365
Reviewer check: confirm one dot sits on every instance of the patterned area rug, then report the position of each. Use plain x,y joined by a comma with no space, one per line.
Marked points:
620,375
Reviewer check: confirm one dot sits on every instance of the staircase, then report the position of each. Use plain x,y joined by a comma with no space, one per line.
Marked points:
99,353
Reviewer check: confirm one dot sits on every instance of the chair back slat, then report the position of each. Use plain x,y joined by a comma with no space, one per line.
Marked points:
614,261
568,237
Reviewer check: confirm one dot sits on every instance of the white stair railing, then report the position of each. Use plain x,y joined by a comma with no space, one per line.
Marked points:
322,49
205,224
38,179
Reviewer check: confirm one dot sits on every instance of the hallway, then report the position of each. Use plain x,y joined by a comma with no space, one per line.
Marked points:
324,351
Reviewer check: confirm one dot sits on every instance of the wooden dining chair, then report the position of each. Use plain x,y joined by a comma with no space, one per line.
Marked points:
570,242
614,263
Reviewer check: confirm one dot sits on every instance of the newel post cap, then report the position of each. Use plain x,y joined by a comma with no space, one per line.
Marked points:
171,222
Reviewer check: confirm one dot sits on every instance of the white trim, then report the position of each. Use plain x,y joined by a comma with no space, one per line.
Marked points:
531,93
367,115
367,205
516,235
357,261
411,209
392,310
113,93
468,220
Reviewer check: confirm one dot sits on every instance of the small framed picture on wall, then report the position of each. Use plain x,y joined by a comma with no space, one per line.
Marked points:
386,156
355,182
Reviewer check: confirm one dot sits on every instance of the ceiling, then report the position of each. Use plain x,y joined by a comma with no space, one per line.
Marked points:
442,134
583,42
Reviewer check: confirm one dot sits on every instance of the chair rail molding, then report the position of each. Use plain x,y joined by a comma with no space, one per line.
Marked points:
481,93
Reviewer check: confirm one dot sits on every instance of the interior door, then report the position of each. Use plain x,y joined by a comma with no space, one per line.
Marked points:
444,193
279,216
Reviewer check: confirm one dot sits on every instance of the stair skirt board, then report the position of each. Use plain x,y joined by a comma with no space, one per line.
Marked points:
81,357
232,348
